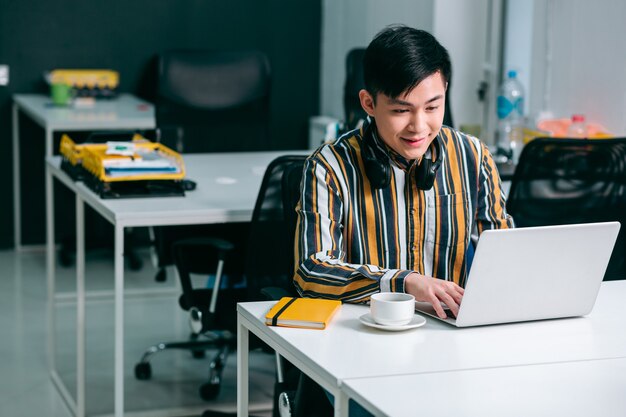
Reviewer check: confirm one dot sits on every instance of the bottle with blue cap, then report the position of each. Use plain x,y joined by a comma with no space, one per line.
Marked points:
510,107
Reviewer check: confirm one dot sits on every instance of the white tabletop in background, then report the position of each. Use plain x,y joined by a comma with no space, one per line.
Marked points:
570,389
123,112
227,187
348,349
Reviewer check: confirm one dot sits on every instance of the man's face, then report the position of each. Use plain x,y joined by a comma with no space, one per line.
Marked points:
410,122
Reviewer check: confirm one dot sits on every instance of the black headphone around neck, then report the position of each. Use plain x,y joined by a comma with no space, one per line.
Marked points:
378,167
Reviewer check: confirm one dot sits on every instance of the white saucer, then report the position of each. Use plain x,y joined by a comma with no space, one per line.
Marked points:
416,321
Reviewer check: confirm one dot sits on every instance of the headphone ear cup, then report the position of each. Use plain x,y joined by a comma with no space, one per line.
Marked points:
378,173
425,174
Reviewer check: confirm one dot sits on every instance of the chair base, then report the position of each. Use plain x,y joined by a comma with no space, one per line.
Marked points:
223,342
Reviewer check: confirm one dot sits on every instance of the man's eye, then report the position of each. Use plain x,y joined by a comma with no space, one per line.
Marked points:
433,108
400,110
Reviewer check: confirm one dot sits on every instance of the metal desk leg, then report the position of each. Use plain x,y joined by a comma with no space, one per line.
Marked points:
80,307
242,369
51,281
341,404
50,272
49,151
17,196
119,320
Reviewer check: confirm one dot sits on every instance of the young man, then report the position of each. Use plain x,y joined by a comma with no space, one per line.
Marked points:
392,206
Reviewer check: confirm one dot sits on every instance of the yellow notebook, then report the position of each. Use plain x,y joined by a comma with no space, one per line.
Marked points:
311,313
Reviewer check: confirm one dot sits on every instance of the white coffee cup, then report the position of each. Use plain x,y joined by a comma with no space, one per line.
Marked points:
392,308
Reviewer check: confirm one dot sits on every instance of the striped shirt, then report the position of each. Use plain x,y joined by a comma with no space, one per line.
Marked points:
353,240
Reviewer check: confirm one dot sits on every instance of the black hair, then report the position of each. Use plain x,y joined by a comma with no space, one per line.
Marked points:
400,57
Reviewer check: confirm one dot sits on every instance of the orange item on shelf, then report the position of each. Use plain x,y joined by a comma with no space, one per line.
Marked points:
558,128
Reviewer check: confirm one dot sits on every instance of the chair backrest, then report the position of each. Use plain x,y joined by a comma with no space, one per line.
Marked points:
565,181
292,183
353,112
210,101
270,247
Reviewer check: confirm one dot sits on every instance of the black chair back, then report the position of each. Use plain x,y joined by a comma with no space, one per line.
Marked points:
566,181
213,101
269,259
353,111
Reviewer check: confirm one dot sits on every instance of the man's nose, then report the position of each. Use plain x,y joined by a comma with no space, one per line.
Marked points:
417,122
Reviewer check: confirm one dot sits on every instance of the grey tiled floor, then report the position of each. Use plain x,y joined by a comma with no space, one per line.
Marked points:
25,386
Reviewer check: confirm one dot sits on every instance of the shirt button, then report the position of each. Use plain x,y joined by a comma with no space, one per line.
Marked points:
414,248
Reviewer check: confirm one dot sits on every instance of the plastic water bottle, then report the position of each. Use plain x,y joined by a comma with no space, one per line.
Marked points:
578,127
510,106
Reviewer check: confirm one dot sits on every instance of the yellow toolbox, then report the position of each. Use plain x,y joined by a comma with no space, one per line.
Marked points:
117,169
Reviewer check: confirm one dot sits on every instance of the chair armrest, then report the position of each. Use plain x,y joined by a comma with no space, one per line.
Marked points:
211,242
275,293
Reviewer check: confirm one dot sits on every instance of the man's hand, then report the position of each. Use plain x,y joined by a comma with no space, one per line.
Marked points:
434,291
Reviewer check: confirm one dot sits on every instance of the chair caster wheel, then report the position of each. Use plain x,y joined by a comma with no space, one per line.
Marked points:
65,258
160,276
143,371
135,263
198,354
209,391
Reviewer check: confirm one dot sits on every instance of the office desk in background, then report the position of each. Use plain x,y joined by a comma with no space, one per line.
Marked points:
347,349
125,112
227,187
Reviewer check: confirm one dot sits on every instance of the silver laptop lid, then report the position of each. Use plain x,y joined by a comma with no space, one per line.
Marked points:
536,273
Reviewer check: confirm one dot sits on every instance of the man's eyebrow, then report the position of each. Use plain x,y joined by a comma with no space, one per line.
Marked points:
397,101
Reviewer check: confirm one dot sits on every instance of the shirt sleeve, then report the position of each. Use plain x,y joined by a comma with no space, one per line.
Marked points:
491,213
321,269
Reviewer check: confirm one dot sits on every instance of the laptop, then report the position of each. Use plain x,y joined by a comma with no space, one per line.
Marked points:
534,273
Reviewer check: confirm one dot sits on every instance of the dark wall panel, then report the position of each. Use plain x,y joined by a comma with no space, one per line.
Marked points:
38,35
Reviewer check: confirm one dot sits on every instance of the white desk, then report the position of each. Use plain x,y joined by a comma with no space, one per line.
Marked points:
227,186
347,349
566,389
123,112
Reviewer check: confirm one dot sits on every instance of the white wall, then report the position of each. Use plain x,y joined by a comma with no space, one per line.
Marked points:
461,27
518,37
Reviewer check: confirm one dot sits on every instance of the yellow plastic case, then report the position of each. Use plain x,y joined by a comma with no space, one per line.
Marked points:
86,78
93,157
85,162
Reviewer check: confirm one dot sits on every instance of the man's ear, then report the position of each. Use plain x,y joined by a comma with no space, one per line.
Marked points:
367,102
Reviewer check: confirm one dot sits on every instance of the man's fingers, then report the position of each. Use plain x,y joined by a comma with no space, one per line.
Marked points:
456,287
456,294
455,291
449,301
434,301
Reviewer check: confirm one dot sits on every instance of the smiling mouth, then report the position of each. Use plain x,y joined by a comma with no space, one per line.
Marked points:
414,141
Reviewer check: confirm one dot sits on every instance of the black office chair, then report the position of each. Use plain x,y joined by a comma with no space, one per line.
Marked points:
210,101
211,318
295,394
353,112
565,181
266,276
269,270
269,259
